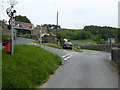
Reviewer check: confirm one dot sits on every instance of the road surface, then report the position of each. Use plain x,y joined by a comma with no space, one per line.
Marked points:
88,69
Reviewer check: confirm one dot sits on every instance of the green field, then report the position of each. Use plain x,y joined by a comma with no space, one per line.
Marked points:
84,41
29,67
0,69
0,36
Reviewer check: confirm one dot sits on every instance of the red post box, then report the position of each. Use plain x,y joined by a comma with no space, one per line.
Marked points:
7,47
7,43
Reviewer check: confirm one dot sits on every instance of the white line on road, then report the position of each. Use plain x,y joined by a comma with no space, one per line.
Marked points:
67,56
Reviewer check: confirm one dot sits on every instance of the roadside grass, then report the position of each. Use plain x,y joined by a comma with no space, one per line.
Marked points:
29,67
115,65
0,69
96,49
76,49
0,36
52,45
84,41
59,47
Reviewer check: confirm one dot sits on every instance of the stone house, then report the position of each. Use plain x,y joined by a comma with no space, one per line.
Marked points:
44,31
36,30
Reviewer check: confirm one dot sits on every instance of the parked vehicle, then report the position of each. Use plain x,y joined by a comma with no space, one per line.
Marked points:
67,45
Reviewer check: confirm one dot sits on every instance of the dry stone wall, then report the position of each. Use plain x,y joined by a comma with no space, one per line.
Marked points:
115,55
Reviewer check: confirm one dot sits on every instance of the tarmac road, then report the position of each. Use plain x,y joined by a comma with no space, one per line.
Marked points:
89,69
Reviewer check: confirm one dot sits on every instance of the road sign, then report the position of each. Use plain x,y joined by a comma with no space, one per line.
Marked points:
77,41
22,25
11,21
111,40
9,10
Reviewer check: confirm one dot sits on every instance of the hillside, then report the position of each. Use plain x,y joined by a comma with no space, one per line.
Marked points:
96,33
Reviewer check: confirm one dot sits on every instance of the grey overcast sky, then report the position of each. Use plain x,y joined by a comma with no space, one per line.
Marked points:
73,14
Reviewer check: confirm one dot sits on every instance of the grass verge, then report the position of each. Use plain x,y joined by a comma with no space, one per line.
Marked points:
59,47
29,67
1,69
96,49
76,49
115,65
52,45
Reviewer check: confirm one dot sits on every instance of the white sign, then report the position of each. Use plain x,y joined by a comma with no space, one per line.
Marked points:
9,11
111,40
22,25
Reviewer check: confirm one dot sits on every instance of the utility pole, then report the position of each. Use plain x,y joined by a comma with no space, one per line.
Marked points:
57,18
40,35
57,28
12,37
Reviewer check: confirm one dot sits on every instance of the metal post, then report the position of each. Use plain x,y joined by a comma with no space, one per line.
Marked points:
12,36
15,34
40,35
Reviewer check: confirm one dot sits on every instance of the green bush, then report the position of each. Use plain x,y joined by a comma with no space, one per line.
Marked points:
102,41
29,67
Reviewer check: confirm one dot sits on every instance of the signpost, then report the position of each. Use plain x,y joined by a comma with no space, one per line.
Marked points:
11,13
111,40
15,25
77,42
22,25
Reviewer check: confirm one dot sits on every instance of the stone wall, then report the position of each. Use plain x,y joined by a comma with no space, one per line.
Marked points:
46,39
115,55
49,39
102,47
5,30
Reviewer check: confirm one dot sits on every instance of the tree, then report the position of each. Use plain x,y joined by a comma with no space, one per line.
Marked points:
20,18
52,26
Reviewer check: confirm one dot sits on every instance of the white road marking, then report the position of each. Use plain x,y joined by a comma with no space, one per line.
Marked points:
67,56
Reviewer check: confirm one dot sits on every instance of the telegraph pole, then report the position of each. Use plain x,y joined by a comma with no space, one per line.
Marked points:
57,18
57,28
40,35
